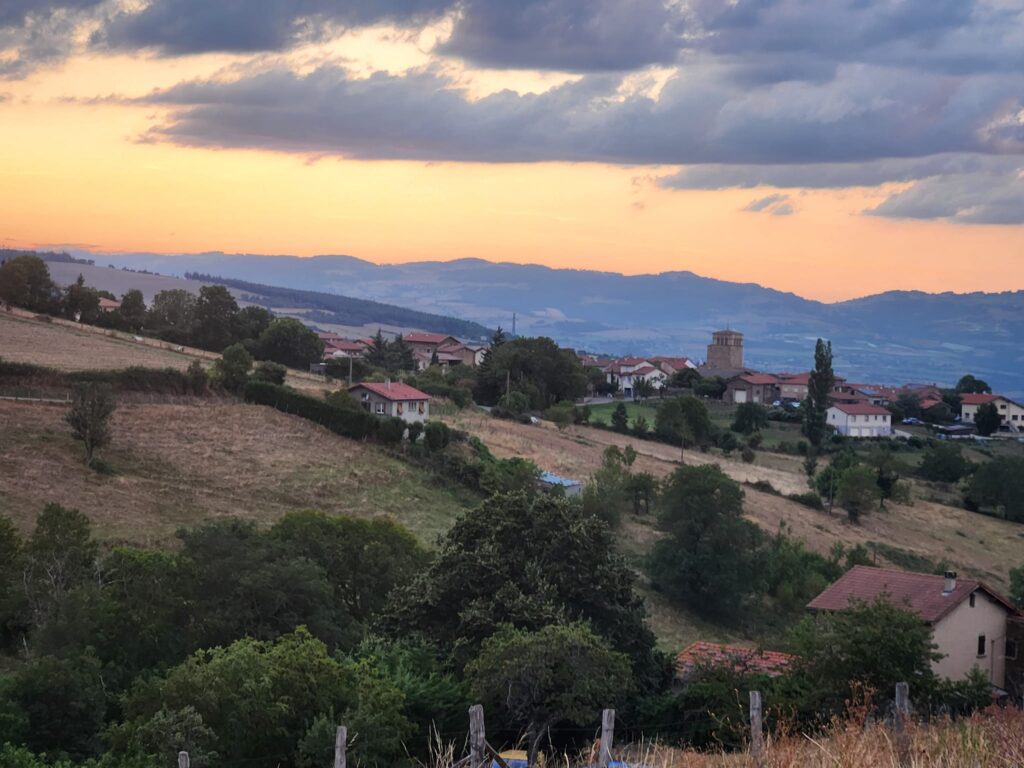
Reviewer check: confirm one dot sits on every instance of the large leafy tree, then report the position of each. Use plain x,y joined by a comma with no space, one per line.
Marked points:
708,559
216,314
970,385
133,309
683,420
875,645
945,462
81,302
857,491
231,371
749,418
172,315
289,342
559,673
528,564
537,367
25,282
998,485
987,419
819,394
11,571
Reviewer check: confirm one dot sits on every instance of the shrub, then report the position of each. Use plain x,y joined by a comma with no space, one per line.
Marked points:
231,371
391,430
755,440
415,430
357,424
748,454
808,499
436,435
271,372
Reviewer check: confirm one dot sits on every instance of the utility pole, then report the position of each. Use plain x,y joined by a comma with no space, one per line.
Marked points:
350,370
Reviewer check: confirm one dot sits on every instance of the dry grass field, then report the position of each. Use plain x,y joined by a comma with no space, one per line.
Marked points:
975,544
180,464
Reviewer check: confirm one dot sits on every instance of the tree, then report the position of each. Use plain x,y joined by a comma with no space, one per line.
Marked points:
81,302
969,385
605,496
749,418
561,415
172,315
537,367
857,491
944,462
559,673
564,568
91,408
643,388
400,356
687,378
999,485
273,373
133,309
25,282
873,644
60,556
11,573
642,487
251,321
711,386
289,342
707,560
215,318
377,353
231,371
1017,586
620,418
819,394
683,420
987,419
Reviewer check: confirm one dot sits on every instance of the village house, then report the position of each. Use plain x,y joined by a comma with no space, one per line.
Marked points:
392,398
703,655
428,343
470,355
752,388
549,481
860,419
109,305
1012,413
629,370
793,386
969,620
670,366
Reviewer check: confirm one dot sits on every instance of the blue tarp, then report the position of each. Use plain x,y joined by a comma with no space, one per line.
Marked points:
552,479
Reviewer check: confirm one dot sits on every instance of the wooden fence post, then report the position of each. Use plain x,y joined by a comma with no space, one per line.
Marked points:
756,729
340,745
604,755
902,715
477,737
183,761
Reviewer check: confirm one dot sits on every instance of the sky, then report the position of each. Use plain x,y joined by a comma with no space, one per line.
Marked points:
833,148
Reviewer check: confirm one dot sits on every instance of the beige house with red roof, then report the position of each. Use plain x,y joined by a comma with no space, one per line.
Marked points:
1012,413
752,388
392,398
428,343
860,419
969,619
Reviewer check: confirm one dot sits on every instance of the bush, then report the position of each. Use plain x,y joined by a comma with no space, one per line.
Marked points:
748,454
270,372
415,430
391,430
755,440
231,371
808,499
357,424
437,436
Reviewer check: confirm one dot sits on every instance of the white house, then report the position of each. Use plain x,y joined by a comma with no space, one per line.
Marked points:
1012,413
627,371
392,398
861,419
968,619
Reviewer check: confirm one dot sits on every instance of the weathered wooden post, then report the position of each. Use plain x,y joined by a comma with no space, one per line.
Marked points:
604,754
183,761
340,746
756,730
477,737
902,715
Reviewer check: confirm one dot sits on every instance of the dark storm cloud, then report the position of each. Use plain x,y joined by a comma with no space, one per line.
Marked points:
698,117
177,27
566,35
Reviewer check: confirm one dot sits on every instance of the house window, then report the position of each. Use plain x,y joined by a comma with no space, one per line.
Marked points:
982,646
1011,649
972,600
380,409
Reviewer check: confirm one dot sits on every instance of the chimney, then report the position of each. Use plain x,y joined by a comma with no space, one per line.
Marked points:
387,383
949,584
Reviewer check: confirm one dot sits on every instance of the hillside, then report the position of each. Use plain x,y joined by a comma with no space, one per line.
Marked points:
975,544
179,464
890,338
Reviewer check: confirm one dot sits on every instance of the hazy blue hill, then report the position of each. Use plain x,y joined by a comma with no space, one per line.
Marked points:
892,337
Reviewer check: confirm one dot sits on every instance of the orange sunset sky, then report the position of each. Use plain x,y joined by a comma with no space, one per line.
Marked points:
288,148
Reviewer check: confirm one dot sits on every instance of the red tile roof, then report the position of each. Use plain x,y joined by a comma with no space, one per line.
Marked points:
920,592
759,378
425,338
643,370
861,409
394,390
675,362
795,378
977,399
344,345
703,654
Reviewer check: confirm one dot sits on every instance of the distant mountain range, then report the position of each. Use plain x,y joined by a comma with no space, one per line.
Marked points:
893,337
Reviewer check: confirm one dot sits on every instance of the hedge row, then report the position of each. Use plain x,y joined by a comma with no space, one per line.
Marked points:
354,423
166,381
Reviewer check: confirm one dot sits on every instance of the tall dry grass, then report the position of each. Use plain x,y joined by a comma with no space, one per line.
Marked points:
990,739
